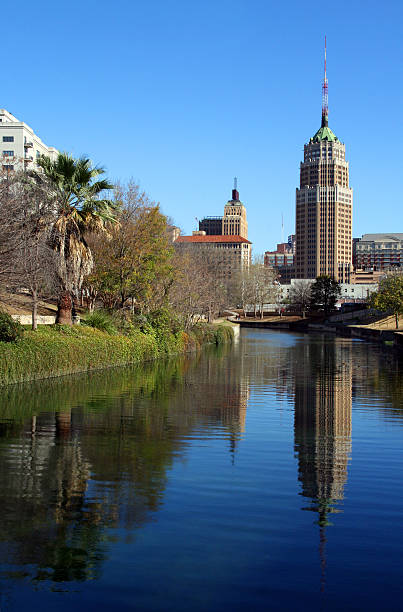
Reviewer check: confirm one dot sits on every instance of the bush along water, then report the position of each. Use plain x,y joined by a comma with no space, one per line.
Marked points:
10,330
100,342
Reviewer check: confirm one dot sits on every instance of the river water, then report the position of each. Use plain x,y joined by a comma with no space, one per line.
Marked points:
262,476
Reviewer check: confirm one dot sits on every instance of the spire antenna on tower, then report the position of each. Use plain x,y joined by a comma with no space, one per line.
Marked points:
235,193
325,99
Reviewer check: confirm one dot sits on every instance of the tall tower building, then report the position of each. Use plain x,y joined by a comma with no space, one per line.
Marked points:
324,203
234,222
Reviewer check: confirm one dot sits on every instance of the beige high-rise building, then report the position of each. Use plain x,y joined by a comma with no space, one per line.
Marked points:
324,204
234,222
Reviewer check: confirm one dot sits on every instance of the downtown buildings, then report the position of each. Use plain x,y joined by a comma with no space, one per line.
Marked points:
20,146
224,238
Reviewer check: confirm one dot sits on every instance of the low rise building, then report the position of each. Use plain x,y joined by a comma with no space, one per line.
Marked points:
282,261
20,146
350,292
378,251
211,225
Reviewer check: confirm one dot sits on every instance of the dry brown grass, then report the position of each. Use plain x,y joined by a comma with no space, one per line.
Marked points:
384,323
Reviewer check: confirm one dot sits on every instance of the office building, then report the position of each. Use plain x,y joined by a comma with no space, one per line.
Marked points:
324,204
232,252
20,146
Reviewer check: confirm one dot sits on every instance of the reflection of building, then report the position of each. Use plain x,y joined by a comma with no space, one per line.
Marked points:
20,145
322,428
323,398
324,203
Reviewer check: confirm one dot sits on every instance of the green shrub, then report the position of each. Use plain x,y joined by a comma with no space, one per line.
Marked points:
99,319
10,330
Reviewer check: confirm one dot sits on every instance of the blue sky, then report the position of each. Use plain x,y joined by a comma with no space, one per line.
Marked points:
183,96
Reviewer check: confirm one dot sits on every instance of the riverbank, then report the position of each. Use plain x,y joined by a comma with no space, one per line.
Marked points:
60,350
387,337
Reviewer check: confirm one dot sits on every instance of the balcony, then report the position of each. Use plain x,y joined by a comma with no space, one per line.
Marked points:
28,158
28,145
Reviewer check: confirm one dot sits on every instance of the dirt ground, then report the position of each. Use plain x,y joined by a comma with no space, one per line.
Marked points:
20,303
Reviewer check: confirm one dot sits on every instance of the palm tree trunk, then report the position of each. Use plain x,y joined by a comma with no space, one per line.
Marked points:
64,306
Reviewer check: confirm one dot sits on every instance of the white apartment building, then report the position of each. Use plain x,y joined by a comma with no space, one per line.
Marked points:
20,147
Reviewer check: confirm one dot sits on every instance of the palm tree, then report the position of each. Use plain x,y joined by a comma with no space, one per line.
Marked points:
79,209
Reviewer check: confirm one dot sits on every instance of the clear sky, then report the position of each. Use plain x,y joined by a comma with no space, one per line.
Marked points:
184,95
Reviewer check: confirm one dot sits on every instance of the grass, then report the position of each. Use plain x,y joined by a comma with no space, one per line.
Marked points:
57,350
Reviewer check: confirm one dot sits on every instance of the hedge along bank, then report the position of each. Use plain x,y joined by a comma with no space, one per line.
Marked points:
58,350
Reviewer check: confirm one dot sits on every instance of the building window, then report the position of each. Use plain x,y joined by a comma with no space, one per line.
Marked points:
8,138
8,153
7,167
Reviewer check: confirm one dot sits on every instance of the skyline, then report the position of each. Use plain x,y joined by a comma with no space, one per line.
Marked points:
185,98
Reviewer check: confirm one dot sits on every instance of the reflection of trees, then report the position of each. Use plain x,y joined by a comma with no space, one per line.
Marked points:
81,454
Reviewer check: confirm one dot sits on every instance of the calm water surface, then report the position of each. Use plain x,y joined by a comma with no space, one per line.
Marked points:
263,476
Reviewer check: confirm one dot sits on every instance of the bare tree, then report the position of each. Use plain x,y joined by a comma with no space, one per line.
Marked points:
199,289
300,295
10,214
33,261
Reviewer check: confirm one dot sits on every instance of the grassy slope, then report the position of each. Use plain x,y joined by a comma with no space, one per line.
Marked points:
54,351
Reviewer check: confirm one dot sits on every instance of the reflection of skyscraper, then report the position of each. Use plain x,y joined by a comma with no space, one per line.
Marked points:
322,427
323,388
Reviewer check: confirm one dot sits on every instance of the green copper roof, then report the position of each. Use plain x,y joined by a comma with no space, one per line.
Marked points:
324,133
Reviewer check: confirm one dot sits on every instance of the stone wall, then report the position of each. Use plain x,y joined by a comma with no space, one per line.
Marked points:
42,319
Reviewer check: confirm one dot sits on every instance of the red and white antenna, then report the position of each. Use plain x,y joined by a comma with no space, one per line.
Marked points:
325,98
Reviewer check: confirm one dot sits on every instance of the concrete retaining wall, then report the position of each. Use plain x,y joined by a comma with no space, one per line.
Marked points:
42,319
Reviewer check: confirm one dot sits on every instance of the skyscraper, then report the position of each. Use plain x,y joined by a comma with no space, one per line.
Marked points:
324,202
